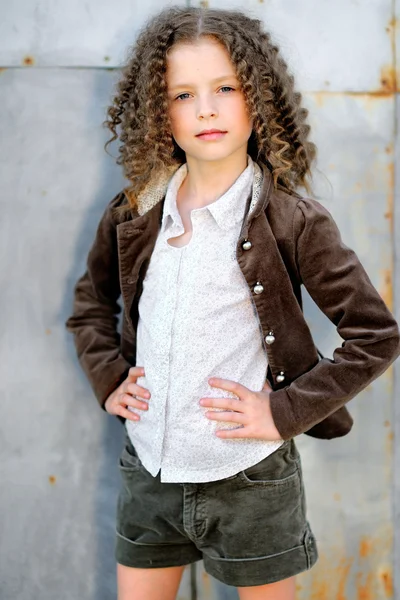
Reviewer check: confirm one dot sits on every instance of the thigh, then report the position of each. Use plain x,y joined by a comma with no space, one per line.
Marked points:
281,590
143,584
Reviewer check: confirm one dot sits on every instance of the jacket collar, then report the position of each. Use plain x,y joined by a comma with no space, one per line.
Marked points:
227,210
156,190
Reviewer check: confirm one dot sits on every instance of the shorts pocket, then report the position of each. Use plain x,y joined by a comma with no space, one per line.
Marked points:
281,468
128,459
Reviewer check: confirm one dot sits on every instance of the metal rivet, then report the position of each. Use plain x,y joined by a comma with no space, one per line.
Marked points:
270,338
246,245
280,377
258,288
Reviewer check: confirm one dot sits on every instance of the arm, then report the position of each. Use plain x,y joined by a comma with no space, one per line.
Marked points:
95,309
340,286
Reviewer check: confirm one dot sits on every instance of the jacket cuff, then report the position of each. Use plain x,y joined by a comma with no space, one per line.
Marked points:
282,414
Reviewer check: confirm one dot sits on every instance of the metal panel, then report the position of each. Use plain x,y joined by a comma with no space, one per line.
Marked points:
58,510
71,34
341,45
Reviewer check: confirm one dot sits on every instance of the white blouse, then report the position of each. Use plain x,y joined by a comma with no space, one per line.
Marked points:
197,320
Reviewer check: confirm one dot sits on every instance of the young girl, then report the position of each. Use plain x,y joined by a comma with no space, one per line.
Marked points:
215,370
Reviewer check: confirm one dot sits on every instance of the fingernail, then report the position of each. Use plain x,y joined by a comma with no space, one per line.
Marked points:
211,381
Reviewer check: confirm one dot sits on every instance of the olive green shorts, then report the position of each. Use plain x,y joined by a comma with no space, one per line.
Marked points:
249,529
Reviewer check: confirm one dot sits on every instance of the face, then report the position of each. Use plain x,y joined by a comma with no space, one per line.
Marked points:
204,93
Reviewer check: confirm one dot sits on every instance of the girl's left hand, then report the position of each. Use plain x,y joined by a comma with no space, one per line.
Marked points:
251,410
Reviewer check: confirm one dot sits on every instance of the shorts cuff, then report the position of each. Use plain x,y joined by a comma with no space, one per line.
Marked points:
151,556
244,572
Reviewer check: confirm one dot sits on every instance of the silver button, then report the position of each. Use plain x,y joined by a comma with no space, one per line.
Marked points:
270,338
246,245
280,377
258,288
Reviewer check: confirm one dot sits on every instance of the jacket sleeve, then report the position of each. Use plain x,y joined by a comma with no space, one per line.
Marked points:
95,309
340,286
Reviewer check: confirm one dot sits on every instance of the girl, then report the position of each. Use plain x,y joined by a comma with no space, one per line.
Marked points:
215,371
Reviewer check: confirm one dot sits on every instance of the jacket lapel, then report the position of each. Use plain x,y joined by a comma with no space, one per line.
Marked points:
136,240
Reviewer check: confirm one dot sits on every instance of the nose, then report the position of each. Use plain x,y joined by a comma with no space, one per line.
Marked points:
206,108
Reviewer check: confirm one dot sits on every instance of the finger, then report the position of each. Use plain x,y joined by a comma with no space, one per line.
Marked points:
238,432
134,373
230,386
127,414
137,390
227,403
134,402
227,416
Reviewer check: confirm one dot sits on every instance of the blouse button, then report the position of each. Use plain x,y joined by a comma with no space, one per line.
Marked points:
258,288
280,377
246,245
270,338
130,280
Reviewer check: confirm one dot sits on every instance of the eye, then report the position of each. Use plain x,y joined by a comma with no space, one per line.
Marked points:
180,96
225,87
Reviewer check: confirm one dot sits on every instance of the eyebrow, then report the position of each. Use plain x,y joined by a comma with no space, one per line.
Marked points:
186,85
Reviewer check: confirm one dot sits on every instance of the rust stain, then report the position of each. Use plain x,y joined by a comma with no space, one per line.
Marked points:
28,61
52,479
48,331
320,591
364,590
204,3
386,423
365,547
320,98
387,580
388,79
389,212
389,443
337,497
343,572
3,69
206,581
387,289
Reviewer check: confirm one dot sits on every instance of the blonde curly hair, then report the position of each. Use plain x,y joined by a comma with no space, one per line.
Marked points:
140,106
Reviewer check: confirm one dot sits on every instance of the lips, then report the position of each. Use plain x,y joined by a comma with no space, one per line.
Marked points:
207,131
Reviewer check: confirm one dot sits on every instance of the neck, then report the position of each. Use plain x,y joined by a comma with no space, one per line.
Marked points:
206,181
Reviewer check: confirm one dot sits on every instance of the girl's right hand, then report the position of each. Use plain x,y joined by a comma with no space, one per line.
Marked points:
124,395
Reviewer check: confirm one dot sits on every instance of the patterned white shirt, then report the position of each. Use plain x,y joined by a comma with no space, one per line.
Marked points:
197,320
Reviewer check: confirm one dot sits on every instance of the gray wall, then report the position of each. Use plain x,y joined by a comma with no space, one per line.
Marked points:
58,474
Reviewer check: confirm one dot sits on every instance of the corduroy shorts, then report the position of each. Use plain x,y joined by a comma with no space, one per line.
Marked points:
249,529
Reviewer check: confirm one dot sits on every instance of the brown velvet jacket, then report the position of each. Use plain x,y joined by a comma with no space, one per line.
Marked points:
294,241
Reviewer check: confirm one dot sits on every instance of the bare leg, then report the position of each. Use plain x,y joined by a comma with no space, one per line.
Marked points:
146,584
281,590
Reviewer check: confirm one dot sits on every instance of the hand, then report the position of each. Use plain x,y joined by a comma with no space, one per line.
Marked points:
124,395
251,411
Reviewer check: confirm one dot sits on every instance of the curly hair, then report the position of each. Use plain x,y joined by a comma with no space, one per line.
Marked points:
140,106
